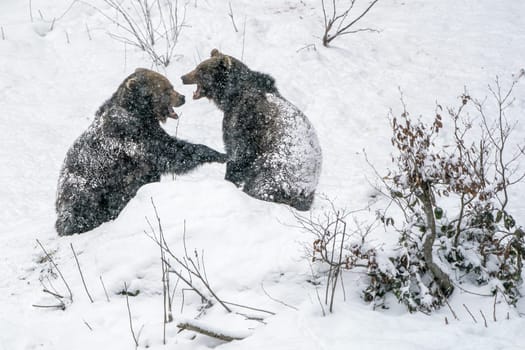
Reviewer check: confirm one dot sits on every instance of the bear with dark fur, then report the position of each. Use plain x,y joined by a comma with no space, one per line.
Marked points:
124,148
272,148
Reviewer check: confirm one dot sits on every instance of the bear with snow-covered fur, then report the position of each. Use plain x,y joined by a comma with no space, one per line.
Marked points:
124,148
272,148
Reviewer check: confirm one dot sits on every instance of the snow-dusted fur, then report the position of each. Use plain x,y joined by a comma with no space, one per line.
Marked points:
273,151
123,149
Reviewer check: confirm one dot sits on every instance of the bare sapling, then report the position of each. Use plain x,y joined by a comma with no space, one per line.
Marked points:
339,22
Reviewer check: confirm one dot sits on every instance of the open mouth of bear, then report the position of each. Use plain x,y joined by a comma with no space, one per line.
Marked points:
169,113
172,114
198,93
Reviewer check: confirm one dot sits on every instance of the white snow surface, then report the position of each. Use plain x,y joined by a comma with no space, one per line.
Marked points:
53,80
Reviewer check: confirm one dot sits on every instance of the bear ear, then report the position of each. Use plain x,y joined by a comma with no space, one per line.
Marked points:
133,80
227,61
215,53
131,83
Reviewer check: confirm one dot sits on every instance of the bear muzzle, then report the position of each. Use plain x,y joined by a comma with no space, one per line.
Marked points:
191,78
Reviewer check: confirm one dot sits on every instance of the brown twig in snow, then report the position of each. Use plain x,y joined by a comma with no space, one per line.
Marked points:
135,340
484,319
81,274
104,287
277,300
470,313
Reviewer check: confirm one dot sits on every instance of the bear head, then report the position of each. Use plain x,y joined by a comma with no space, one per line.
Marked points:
150,95
224,79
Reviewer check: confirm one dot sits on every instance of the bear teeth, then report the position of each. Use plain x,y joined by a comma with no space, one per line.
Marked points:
197,93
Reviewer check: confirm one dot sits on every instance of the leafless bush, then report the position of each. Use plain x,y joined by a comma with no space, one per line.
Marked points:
338,23
191,270
153,26
337,245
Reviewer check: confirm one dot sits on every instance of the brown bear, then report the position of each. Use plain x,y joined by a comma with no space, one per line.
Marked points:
272,148
124,148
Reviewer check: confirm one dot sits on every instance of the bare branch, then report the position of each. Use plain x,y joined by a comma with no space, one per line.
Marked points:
199,328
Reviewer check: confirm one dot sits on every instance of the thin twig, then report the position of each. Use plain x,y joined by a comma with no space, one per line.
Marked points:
470,313
81,274
307,47
56,295
31,10
104,287
250,308
484,319
88,326
88,32
59,306
129,316
50,284
243,38
451,310
494,310
276,300
231,16
189,284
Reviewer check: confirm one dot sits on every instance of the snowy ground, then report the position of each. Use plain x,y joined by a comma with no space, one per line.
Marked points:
50,88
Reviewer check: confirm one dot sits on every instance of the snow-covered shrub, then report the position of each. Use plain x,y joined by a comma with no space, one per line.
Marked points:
454,198
408,278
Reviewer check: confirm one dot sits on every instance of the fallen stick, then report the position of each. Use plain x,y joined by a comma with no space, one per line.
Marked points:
201,328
